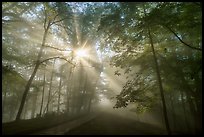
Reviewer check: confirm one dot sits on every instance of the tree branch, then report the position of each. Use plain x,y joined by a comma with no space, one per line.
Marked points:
58,58
58,21
55,17
64,19
181,39
45,21
65,28
57,48
49,101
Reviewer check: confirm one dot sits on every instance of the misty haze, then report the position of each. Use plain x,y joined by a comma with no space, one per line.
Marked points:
101,68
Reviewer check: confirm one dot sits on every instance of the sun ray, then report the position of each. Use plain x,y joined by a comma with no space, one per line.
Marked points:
80,53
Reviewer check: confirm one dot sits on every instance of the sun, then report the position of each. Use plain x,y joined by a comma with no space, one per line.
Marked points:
81,53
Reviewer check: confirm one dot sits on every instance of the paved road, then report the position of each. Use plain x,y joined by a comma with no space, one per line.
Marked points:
62,128
110,124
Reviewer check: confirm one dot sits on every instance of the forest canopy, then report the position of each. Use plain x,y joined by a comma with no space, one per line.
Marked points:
54,55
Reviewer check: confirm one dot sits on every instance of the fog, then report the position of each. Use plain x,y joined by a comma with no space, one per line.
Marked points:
101,68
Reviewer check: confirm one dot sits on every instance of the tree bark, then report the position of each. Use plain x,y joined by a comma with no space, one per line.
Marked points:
184,110
4,99
173,111
27,87
85,103
58,106
68,92
68,87
26,91
78,98
89,105
43,91
159,79
49,101
189,94
34,101
25,110
50,88
160,86
198,101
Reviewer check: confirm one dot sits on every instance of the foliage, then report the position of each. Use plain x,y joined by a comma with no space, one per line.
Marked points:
124,30
50,31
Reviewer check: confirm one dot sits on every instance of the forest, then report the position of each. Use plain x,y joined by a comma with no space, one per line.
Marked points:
126,68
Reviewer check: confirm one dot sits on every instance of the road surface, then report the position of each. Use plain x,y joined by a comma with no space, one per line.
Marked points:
110,124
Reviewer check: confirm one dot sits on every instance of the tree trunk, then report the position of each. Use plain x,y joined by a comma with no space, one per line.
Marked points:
198,101
25,110
159,79
50,88
42,95
184,110
26,91
49,101
68,89
4,100
58,106
173,112
79,93
27,87
34,105
89,103
85,103
160,86
68,95
189,94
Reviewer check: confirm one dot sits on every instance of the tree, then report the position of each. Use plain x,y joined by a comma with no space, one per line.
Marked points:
43,91
48,22
124,32
159,79
54,17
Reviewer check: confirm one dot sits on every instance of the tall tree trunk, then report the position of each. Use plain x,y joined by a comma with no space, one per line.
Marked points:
159,79
34,105
60,86
173,112
43,91
89,104
27,90
4,100
79,90
192,108
68,89
50,88
27,87
68,93
160,85
12,111
25,110
85,103
198,101
91,90
189,95
184,110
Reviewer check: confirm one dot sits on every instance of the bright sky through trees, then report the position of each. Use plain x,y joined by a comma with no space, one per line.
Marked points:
65,60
